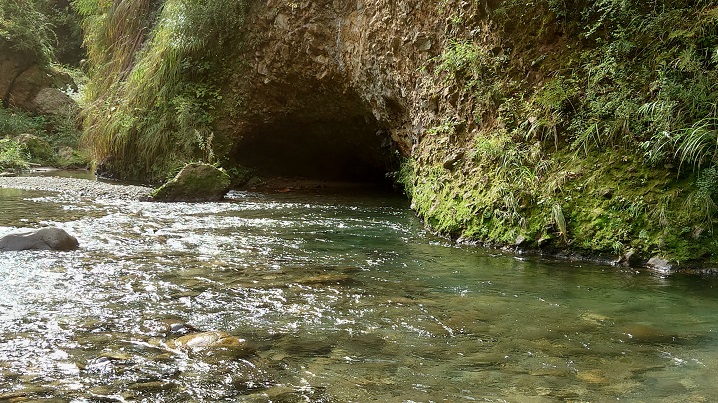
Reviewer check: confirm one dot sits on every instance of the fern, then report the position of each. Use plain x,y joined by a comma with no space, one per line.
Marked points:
560,221
698,144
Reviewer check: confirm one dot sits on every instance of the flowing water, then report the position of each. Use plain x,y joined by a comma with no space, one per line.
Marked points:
340,298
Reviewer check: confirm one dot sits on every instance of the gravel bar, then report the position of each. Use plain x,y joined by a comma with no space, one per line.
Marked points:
80,187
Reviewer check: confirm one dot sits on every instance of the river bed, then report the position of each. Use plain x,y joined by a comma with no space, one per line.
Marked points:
342,296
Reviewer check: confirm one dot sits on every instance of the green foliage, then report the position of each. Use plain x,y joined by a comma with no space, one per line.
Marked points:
702,200
25,29
13,156
14,122
405,176
42,136
475,69
597,117
559,221
65,24
153,97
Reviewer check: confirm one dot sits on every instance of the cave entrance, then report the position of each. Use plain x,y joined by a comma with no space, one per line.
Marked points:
353,149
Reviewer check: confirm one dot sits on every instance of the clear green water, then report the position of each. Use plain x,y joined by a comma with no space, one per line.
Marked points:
345,299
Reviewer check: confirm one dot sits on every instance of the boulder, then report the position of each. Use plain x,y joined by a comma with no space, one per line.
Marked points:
11,66
629,259
49,238
51,101
26,86
196,182
31,85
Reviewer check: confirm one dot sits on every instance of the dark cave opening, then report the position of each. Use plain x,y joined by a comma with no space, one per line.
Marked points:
353,149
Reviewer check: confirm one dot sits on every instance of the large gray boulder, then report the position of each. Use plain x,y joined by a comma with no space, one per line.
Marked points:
51,101
49,238
196,182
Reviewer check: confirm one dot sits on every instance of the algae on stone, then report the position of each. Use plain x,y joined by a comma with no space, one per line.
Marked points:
196,182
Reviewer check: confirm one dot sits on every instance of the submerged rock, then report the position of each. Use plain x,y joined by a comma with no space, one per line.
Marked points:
43,239
213,340
194,183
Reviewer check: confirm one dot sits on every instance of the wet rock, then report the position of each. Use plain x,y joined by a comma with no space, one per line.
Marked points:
638,333
308,348
521,240
328,279
43,239
629,259
451,161
153,386
179,328
592,376
211,341
660,264
196,182
595,318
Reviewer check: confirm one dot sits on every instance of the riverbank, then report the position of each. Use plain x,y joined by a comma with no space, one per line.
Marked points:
104,190
81,187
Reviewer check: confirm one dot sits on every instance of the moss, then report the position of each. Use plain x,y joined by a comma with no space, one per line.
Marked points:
610,200
573,139
195,182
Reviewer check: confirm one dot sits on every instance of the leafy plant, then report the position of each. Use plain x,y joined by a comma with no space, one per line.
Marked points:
559,221
153,97
13,156
25,29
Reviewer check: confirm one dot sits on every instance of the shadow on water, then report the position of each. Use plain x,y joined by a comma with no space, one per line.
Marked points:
329,297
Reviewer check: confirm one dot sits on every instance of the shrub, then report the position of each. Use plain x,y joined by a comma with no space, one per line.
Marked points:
152,97
13,156
25,29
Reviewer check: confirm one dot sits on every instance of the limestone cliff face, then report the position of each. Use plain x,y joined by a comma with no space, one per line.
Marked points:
343,78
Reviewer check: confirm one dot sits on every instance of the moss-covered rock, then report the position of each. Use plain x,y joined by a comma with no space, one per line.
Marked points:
196,182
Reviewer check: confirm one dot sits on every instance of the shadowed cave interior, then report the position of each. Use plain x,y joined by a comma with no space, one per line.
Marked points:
333,141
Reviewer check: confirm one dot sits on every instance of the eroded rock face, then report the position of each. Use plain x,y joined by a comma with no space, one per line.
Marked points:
43,239
194,183
341,81
26,86
12,64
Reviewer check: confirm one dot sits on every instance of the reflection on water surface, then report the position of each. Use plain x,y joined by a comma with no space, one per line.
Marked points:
340,299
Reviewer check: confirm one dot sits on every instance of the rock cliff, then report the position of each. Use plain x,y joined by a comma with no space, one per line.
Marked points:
530,124
331,85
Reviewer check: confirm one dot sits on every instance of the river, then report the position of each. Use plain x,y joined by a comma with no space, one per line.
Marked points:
343,297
